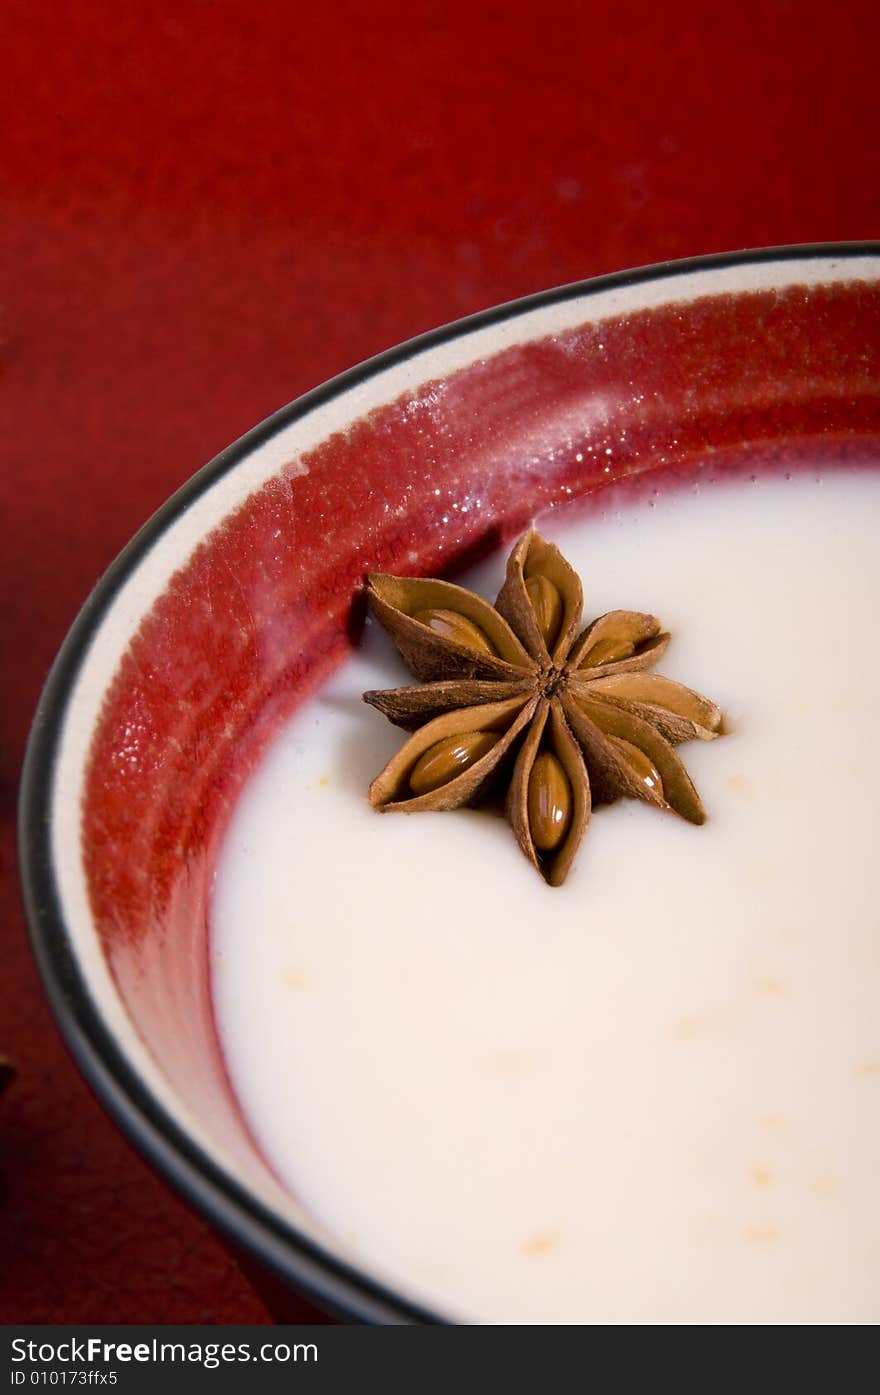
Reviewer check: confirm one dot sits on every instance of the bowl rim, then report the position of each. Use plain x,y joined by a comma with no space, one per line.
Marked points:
232,1208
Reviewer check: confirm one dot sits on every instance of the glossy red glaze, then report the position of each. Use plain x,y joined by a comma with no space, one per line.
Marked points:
267,604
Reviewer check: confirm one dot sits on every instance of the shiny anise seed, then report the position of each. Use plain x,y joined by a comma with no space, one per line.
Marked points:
639,763
547,605
458,628
448,758
549,803
608,651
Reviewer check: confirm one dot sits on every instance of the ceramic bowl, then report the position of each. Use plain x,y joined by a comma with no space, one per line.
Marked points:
243,593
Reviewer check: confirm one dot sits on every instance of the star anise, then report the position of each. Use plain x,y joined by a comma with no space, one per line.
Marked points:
567,718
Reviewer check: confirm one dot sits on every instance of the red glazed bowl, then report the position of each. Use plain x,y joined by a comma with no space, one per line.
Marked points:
243,593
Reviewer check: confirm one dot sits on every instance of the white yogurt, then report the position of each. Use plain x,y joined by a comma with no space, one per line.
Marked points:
653,1094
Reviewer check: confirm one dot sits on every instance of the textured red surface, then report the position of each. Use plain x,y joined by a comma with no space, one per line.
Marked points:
205,212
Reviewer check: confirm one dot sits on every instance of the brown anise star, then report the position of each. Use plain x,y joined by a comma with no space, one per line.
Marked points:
514,691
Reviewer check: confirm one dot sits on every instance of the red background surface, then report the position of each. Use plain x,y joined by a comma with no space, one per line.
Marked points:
206,209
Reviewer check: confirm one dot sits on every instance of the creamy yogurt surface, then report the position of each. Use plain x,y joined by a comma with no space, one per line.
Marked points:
651,1095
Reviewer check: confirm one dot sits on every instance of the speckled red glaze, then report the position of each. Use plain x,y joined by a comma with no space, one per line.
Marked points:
268,604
